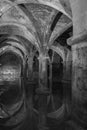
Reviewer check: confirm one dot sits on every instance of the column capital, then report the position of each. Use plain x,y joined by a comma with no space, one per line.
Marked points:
43,57
82,37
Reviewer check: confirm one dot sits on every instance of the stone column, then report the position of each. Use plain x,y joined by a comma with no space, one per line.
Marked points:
50,76
30,67
79,78
30,64
43,71
42,91
67,82
79,60
79,16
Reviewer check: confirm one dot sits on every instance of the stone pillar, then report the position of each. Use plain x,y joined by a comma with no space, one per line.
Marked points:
79,15
43,71
30,67
67,82
79,78
42,91
50,76
30,64
79,60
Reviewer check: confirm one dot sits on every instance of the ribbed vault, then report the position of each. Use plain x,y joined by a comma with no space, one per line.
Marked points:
36,17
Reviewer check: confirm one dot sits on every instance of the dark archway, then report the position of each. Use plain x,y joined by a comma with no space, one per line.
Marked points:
57,85
10,73
11,85
56,99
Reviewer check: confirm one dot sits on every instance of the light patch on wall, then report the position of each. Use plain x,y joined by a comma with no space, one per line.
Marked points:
8,73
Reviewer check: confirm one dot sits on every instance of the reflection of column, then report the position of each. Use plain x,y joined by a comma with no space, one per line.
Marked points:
79,60
42,91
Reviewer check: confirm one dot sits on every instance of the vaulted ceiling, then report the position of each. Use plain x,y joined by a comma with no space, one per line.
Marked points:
41,20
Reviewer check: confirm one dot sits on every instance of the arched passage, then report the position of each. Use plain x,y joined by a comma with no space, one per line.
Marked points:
56,104
10,72
57,76
60,82
11,84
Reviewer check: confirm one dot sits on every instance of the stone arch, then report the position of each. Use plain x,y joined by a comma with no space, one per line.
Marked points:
10,48
15,67
17,29
59,50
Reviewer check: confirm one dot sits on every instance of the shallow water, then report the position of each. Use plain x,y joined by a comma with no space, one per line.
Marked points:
30,117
